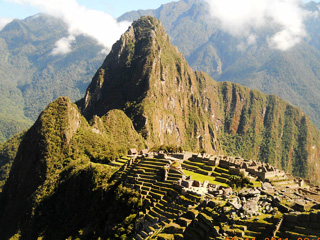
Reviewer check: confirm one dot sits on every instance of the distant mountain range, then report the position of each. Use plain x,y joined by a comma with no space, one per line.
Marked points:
31,76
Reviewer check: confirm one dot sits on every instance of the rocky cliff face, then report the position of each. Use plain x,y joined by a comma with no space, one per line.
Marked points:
169,103
148,78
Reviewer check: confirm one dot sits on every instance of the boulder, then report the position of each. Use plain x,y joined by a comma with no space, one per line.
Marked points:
235,202
211,204
276,199
250,207
192,214
266,186
196,183
184,222
249,193
227,191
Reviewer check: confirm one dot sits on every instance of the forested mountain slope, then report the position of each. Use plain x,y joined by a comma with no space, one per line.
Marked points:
292,75
31,77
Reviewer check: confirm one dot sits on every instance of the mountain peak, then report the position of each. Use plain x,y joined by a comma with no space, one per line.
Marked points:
144,71
144,31
128,69
125,66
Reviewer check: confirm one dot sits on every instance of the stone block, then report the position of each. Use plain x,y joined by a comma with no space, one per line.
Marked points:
212,162
291,218
304,218
299,207
313,217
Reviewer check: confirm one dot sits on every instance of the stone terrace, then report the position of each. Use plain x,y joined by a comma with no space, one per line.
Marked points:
173,207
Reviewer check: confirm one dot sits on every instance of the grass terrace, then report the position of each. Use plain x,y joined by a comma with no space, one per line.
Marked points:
202,178
255,184
120,161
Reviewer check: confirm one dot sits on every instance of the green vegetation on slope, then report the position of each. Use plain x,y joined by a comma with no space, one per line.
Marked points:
31,77
8,151
57,176
292,75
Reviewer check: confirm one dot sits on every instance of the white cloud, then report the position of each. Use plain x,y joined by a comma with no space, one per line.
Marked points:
4,22
246,17
81,21
63,46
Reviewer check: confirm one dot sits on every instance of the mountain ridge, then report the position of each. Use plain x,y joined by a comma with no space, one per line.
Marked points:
217,53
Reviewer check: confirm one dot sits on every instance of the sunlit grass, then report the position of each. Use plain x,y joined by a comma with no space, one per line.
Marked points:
202,178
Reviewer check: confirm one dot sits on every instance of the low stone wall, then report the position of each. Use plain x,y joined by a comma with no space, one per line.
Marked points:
237,171
305,217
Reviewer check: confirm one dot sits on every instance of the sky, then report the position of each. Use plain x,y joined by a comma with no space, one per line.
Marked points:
83,17
244,19
9,9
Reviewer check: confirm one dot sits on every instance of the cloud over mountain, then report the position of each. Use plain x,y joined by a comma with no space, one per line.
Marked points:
4,22
245,18
63,46
81,21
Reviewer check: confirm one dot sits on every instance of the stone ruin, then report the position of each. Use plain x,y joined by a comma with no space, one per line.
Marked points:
237,165
186,184
251,204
